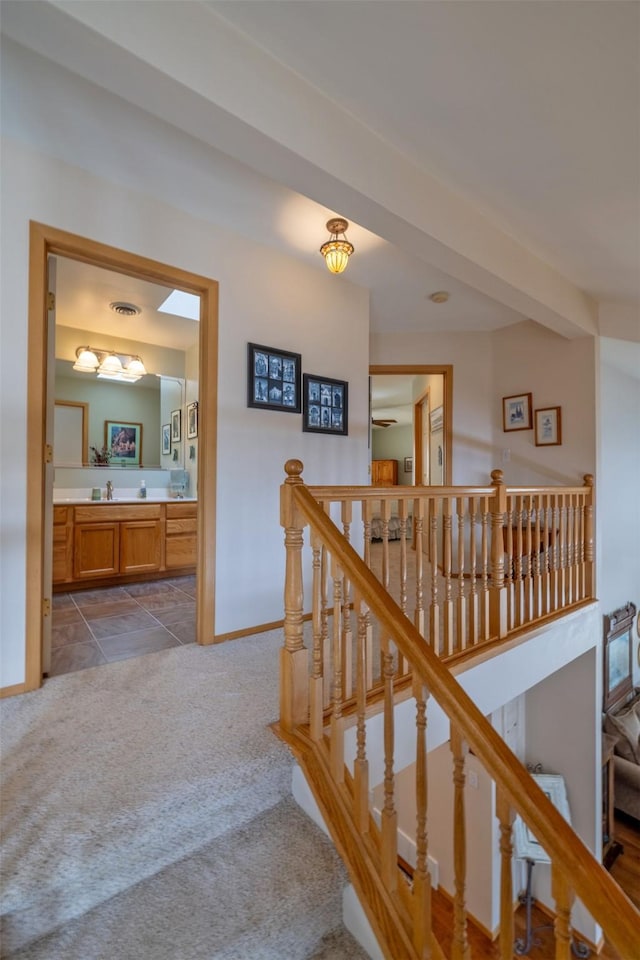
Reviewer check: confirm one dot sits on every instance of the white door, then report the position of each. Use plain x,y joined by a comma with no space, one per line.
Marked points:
47,560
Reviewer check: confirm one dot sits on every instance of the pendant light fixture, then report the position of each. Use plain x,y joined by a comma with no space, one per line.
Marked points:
336,251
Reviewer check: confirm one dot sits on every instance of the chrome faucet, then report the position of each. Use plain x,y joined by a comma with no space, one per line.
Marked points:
109,490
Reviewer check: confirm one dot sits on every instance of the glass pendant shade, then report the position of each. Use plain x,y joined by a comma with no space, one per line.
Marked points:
135,368
336,251
111,364
87,361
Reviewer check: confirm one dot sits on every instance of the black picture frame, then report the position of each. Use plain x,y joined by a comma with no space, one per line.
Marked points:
273,379
326,405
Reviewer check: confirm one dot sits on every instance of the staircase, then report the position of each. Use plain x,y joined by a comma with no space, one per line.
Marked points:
148,814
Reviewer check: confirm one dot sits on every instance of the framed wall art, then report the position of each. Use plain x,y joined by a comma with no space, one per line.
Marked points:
124,440
548,421
326,405
273,378
516,412
176,426
166,438
192,420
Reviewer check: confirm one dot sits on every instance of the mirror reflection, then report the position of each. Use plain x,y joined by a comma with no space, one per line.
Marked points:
126,372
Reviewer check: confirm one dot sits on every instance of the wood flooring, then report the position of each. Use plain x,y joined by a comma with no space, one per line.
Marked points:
625,870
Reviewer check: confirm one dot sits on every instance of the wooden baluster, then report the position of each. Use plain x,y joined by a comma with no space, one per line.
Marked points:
528,570
361,765
562,562
324,627
337,724
389,818
421,876
563,896
518,568
316,694
402,516
505,819
546,554
461,606
460,943
484,593
367,511
447,606
553,554
418,517
474,631
498,592
434,610
294,657
509,569
385,511
589,556
347,631
537,557
576,562
582,586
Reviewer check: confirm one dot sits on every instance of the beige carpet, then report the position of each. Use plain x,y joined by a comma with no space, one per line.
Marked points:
147,813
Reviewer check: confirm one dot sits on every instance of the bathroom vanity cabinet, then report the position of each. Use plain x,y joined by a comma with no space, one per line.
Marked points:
122,542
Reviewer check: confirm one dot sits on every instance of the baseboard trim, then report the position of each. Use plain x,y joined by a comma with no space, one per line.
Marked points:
13,691
248,631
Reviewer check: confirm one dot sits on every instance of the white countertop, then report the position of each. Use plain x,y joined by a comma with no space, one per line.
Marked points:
59,498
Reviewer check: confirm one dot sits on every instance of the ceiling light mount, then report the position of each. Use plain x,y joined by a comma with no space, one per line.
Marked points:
336,251
440,296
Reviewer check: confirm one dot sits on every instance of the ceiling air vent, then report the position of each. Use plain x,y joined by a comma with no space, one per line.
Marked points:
125,309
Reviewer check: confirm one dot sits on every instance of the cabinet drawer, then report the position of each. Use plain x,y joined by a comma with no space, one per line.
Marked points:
60,515
178,511
189,525
181,550
113,512
59,534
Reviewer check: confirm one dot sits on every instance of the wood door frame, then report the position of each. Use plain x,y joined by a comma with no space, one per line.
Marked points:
45,241
446,371
418,434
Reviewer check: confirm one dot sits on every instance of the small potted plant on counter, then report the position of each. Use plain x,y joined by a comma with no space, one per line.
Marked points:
100,457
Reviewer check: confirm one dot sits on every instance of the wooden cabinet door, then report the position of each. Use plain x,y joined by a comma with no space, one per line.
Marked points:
384,473
96,550
139,546
62,545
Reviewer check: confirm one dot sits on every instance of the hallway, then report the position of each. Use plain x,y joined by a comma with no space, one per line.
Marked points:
93,627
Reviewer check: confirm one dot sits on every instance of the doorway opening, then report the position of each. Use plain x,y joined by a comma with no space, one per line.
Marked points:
46,243
411,416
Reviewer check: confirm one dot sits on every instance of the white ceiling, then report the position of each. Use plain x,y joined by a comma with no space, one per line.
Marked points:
518,121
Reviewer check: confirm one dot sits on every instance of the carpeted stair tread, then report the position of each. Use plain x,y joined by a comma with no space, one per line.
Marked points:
270,890
339,945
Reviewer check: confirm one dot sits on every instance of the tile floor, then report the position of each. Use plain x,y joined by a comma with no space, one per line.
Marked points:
92,627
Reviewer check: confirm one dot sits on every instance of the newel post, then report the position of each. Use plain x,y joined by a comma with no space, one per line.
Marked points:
294,657
590,566
497,589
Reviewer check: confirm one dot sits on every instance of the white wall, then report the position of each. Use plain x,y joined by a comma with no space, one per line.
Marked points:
618,481
563,733
394,443
264,297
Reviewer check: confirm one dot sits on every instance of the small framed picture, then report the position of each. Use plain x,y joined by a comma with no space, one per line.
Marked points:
326,405
273,378
176,426
516,412
124,440
548,427
408,464
166,438
192,420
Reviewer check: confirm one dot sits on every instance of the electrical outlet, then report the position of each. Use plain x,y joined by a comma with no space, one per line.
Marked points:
473,779
506,455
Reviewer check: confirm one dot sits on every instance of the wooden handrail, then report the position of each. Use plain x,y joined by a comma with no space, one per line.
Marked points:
573,862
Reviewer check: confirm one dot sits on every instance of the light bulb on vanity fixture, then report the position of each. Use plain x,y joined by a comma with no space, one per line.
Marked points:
335,251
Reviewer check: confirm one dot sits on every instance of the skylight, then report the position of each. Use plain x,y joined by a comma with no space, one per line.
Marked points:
181,304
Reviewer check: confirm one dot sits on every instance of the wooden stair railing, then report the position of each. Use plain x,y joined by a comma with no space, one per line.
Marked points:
368,625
